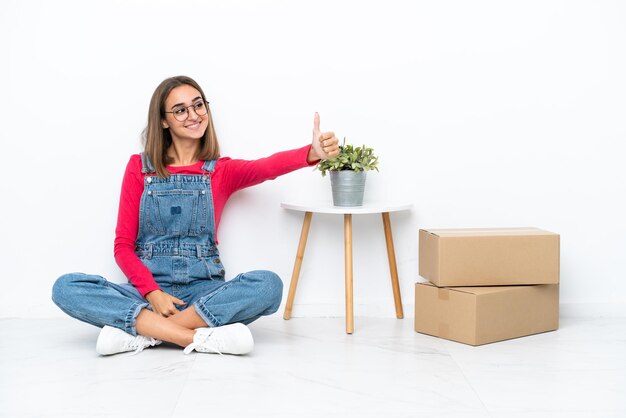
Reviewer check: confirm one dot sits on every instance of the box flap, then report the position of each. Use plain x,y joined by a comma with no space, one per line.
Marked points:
483,290
474,290
478,232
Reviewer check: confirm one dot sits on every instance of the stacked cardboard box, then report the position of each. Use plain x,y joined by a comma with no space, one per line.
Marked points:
487,285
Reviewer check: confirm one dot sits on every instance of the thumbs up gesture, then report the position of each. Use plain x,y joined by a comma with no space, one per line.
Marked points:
325,145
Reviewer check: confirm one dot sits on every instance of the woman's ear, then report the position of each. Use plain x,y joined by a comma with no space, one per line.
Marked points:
164,124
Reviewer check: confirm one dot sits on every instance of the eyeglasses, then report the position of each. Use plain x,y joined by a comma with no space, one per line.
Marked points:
181,113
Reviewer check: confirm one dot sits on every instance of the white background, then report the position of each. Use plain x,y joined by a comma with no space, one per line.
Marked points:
483,113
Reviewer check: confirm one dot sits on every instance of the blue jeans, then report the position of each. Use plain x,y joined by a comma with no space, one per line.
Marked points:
94,300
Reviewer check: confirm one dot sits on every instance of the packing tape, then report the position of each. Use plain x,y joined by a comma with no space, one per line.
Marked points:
444,330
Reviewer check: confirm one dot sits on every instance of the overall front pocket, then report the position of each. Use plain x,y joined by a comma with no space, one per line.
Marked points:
177,212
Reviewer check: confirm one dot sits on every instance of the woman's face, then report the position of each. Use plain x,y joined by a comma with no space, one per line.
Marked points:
182,102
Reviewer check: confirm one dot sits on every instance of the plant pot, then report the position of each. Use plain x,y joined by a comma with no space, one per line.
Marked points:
348,187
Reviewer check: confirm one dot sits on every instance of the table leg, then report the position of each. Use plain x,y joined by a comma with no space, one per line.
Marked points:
347,223
392,266
296,268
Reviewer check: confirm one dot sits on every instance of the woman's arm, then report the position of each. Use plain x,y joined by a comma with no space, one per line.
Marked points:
127,228
239,174
246,173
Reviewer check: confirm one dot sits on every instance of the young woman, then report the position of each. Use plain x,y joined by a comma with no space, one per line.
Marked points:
166,237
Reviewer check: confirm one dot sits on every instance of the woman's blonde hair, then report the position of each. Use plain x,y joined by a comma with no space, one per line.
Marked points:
157,139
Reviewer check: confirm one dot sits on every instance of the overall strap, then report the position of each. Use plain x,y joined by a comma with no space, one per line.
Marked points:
146,166
209,165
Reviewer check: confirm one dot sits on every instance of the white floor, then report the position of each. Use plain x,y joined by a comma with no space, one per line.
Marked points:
308,367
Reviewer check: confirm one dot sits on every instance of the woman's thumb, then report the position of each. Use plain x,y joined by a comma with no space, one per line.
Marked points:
316,122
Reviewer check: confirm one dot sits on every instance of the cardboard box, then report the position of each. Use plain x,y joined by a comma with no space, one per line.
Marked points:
481,315
489,257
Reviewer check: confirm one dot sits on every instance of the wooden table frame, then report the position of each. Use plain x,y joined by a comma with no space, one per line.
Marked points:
347,222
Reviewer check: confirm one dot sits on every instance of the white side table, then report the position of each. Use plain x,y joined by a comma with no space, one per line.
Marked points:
347,212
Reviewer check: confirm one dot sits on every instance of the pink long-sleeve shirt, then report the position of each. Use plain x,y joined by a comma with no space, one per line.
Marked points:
229,176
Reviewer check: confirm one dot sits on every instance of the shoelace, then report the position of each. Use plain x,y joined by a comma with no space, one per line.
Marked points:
140,342
206,341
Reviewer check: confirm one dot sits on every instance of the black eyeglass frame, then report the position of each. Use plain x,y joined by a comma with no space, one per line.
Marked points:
206,102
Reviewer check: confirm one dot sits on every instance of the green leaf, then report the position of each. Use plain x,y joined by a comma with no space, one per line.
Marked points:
350,158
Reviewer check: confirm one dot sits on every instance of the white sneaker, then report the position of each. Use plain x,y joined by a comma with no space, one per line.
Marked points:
227,339
113,340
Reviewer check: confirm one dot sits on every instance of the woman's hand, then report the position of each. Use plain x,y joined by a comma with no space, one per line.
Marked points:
163,303
325,145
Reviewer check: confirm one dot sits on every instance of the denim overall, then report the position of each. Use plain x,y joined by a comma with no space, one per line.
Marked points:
176,242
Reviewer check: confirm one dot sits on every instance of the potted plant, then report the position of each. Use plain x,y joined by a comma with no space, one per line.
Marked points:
347,173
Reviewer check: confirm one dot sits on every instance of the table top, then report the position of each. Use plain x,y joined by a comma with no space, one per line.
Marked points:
328,207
